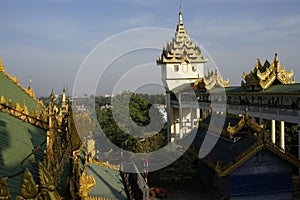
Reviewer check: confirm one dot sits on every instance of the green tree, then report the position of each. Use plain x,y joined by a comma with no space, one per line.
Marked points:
140,115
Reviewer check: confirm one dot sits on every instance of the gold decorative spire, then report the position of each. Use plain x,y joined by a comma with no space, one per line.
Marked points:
180,16
64,95
29,85
181,48
1,65
52,96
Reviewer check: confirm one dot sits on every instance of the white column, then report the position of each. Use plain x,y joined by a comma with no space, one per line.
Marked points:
169,116
180,116
192,118
197,113
273,131
282,143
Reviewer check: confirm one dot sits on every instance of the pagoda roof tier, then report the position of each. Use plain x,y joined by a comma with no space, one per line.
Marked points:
181,48
263,76
210,80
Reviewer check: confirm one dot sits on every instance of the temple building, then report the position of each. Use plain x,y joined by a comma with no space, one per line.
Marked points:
41,154
244,163
250,159
181,60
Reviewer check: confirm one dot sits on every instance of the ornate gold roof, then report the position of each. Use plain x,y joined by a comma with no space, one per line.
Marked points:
263,76
210,80
29,91
244,122
181,48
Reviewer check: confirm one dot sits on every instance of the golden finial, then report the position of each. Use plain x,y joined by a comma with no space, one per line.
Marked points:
29,84
1,66
276,56
52,96
180,16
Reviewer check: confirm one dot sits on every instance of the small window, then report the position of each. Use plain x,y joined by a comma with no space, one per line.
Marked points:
194,68
176,68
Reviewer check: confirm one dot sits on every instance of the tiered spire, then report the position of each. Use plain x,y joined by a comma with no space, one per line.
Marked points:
181,48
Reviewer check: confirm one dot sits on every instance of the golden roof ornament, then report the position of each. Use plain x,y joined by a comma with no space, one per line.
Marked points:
1,65
4,190
52,96
210,80
263,76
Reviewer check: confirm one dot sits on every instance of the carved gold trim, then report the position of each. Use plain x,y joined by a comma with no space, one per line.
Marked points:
107,165
210,80
86,183
244,122
4,190
29,189
35,118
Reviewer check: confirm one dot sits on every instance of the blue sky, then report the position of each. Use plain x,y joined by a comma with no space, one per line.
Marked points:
49,39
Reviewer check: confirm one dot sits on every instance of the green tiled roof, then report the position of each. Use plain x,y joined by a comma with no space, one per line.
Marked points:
274,89
17,140
67,173
10,90
108,182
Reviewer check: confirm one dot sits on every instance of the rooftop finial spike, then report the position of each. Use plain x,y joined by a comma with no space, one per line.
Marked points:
52,96
29,85
180,16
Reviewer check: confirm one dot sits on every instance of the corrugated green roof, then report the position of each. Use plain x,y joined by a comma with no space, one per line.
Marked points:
67,173
17,140
108,182
11,91
274,89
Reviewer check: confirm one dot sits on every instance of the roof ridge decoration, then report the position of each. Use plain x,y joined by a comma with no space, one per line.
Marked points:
245,121
181,48
210,80
36,118
29,91
86,183
263,76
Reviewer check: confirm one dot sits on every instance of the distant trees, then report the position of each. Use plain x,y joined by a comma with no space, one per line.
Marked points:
139,114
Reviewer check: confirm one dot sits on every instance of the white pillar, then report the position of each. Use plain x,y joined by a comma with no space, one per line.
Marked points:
192,118
169,116
273,131
197,113
282,143
180,116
